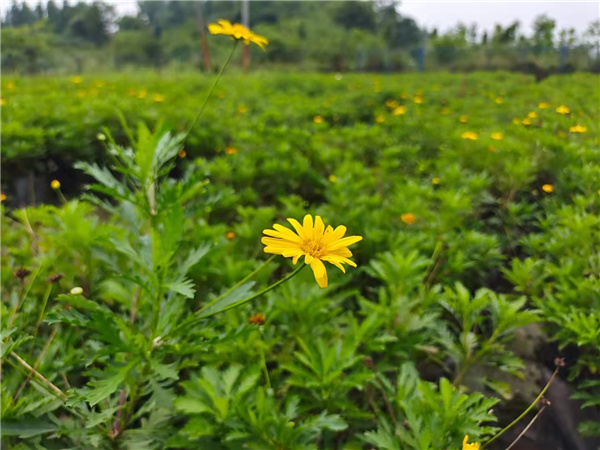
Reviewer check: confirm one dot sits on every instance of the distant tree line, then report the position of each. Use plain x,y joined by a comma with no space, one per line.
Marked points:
320,35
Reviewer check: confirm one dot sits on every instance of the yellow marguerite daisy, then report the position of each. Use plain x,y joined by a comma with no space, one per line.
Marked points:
237,31
578,129
497,136
471,135
467,446
313,241
562,109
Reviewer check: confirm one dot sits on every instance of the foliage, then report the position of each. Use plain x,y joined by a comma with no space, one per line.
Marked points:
464,246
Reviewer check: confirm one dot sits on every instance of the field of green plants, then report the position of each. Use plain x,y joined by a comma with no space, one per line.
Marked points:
140,310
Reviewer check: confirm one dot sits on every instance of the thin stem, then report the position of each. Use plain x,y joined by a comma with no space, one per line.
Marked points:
211,90
38,375
37,363
43,310
524,413
239,283
526,428
264,361
249,299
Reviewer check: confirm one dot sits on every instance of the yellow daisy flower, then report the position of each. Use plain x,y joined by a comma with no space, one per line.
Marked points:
380,119
562,109
158,98
463,119
578,129
497,136
399,111
470,135
2,196
391,104
418,100
532,115
55,184
436,180
76,79
237,31
408,218
499,100
467,446
548,188
543,105
315,242
318,119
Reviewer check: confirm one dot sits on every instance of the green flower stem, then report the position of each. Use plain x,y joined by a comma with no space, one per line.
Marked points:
43,310
239,283
234,305
524,413
211,90
252,297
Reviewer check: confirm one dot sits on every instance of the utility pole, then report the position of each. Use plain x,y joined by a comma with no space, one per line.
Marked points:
203,40
246,23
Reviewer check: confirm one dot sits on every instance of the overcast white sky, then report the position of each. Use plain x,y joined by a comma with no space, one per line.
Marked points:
445,14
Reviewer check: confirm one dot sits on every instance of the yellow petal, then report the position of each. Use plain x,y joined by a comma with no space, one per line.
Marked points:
319,228
319,271
308,258
307,224
298,228
344,242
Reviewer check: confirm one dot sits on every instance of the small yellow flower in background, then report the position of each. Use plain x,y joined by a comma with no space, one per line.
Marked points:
445,111
257,319
408,218
399,111
158,98
548,188
237,31
333,178
313,241
99,84
55,184
2,196
76,79
562,109
230,235
492,149
497,136
578,129
76,291
498,100
2,101
532,115
242,109
470,135
391,104
418,100
142,94
231,150
380,119
543,105
516,121
526,121
10,85
467,446
436,180
318,119
463,119
182,153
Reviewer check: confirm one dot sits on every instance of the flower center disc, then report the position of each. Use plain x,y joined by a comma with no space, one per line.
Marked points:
313,248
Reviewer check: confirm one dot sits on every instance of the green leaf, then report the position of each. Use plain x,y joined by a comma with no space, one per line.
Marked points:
26,428
105,387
